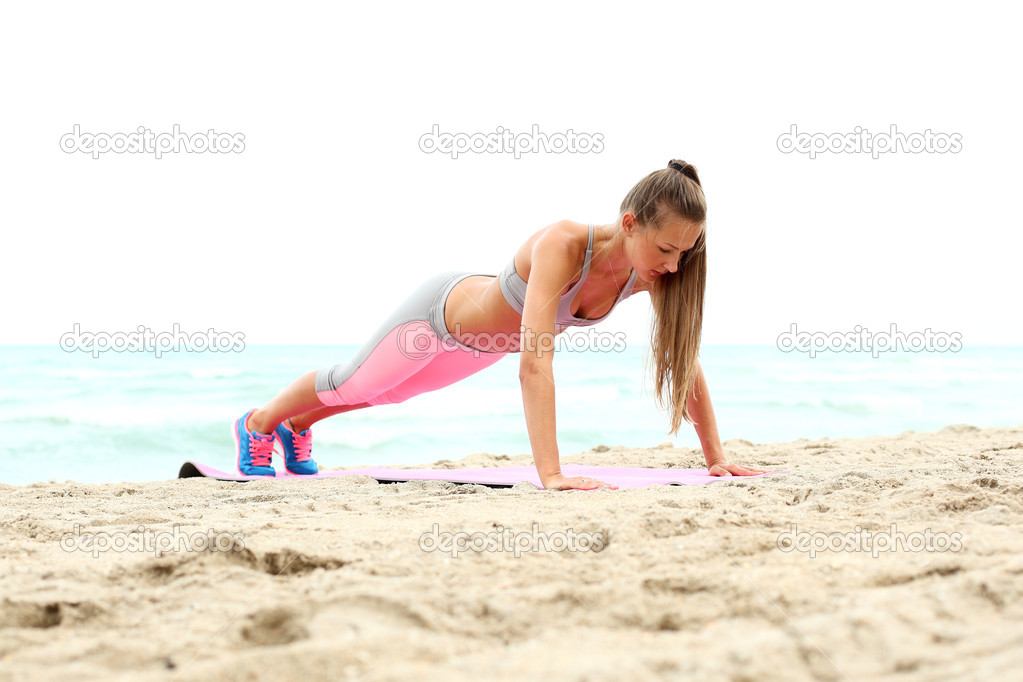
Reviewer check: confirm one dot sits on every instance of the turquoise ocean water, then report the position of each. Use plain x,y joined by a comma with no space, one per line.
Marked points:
134,417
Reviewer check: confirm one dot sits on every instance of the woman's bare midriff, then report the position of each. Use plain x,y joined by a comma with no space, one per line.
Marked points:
476,307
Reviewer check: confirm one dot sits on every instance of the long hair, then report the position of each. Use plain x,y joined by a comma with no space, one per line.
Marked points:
677,297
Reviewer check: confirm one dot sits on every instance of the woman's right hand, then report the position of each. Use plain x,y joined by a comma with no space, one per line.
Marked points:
561,482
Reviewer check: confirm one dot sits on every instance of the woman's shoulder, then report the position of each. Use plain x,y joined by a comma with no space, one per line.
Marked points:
563,234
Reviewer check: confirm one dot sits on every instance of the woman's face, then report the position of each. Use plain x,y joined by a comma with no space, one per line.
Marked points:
657,252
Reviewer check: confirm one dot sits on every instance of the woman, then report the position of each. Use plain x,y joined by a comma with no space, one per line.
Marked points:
457,323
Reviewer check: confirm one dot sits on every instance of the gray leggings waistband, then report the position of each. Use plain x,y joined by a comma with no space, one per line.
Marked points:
436,311
425,303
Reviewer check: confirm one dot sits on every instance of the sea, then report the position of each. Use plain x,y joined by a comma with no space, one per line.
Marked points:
122,416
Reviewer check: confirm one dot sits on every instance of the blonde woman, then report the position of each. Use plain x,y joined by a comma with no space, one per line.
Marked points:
568,274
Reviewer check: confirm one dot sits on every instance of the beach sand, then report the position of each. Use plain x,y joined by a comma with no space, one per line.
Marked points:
691,584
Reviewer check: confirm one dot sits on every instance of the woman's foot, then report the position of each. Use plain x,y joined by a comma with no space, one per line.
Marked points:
254,449
297,449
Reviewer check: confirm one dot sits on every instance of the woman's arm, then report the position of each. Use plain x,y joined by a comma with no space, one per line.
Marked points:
553,265
706,427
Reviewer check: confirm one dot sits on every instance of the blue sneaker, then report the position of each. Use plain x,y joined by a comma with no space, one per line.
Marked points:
254,449
298,449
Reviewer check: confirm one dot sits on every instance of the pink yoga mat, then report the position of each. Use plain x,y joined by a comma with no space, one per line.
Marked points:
623,477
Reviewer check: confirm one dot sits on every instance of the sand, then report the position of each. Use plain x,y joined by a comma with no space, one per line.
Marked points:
327,579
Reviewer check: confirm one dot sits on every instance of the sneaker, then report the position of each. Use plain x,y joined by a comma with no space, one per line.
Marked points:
298,449
254,449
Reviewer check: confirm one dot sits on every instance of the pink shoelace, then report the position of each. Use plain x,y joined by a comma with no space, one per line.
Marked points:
261,449
303,445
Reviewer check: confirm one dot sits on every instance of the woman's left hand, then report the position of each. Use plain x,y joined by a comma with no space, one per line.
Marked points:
723,468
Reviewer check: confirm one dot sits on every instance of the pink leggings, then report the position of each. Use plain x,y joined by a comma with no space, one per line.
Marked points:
412,352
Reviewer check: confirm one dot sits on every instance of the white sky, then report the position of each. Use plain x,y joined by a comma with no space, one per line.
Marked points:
332,212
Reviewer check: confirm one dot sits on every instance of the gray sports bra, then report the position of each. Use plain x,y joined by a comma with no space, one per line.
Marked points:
514,289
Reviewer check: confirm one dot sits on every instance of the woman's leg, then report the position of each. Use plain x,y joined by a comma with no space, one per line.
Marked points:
380,365
403,358
293,402
446,368
300,423
443,370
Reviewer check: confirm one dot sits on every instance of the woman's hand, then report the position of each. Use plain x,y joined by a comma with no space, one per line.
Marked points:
560,482
722,468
